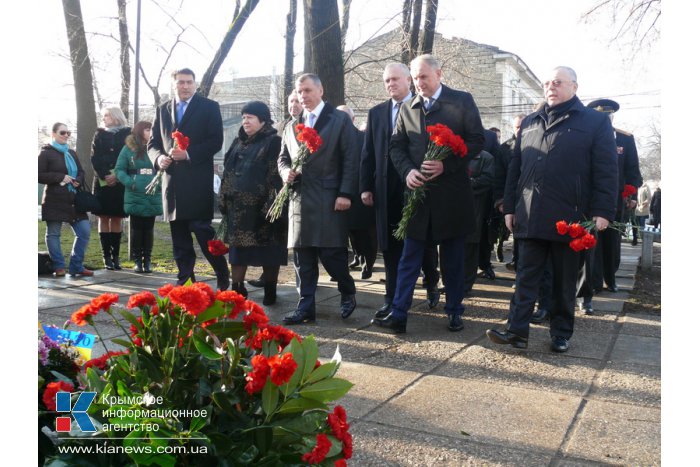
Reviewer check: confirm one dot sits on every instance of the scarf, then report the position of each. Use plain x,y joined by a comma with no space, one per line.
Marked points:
71,166
553,113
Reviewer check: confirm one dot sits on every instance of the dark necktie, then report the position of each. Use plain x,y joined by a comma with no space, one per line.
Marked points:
397,106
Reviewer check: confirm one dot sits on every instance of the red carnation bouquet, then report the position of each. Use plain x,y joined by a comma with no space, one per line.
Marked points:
182,142
582,239
310,142
443,142
628,191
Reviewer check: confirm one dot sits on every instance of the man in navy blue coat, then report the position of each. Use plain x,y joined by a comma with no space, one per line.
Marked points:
564,167
188,197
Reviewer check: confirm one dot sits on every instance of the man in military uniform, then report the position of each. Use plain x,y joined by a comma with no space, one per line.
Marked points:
607,251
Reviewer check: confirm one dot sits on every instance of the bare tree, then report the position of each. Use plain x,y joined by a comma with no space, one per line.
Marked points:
289,52
650,162
124,58
428,36
235,27
82,77
636,21
323,26
415,29
406,28
345,19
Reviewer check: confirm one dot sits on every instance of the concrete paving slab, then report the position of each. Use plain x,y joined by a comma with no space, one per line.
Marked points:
629,383
383,446
51,298
372,386
637,349
49,282
509,417
640,324
618,434
532,370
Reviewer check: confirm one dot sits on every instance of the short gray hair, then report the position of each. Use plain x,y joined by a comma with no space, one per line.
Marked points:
429,59
401,66
117,115
312,76
570,71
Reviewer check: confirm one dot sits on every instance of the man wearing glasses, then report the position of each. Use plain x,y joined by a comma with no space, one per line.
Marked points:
564,167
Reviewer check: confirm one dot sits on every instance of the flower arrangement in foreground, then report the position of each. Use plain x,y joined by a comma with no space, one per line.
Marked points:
182,142
310,142
443,142
207,370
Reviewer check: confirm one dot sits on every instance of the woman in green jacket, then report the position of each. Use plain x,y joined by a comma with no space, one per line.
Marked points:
135,171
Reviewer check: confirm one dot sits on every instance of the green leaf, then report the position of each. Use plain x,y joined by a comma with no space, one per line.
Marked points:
300,404
122,342
131,318
227,328
324,371
95,383
298,353
221,400
270,397
214,311
205,349
199,422
310,355
327,390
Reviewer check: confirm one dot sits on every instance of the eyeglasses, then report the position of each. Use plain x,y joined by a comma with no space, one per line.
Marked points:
64,133
555,83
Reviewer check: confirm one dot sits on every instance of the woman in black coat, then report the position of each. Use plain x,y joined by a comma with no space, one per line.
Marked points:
106,146
61,173
248,189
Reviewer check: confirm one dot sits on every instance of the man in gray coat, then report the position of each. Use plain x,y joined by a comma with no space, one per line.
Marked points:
322,190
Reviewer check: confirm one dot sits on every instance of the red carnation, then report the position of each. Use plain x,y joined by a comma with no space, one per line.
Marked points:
577,244
84,315
165,290
347,445
309,137
258,376
337,420
101,362
319,452
588,241
49,397
217,247
255,316
135,332
182,141
231,297
629,190
138,300
191,299
562,227
282,368
576,230
104,301
204,287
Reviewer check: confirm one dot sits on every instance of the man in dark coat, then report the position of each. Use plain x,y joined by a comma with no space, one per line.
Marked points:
447,183
607,250
381,186
564,167
481,173
322,190
491,146
188,198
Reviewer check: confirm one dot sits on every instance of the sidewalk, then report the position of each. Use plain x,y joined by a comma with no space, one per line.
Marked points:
432,397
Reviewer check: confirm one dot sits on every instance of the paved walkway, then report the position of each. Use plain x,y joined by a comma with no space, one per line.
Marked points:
432,397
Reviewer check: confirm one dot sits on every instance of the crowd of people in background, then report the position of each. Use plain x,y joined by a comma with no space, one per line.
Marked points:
564,162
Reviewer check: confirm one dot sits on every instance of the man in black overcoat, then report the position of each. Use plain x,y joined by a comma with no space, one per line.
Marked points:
436,221
564,167
188,198
382,187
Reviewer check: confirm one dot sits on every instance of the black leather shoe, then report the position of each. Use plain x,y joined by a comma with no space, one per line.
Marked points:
456,323
366,273
108,263
499,253
383,312
355,263
390,322
507,337
489,273
539,316
433,297
587,308
222,283
347,305
560,344
299,317
597,290
259,282
613,288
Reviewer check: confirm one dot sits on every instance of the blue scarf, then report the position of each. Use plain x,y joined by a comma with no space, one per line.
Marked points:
71,166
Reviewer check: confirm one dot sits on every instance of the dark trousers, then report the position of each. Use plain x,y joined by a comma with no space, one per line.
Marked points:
334,260
607,258
544,301
392,256
640,222
471,264
364,245
532,261
141,236
452,266
183,249
485,246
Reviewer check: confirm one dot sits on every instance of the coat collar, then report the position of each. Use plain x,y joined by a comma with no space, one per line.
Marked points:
417,100
189,110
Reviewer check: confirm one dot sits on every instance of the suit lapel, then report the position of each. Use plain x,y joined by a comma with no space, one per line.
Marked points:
189,110
324,118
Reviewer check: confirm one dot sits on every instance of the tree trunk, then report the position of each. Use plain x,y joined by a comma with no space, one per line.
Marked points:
233,30
415,29
124,58
308,52
426,42
344,23
289,54
326,53
406,28
82,77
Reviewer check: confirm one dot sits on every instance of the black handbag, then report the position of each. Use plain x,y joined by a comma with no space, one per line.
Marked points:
45,263
85,201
